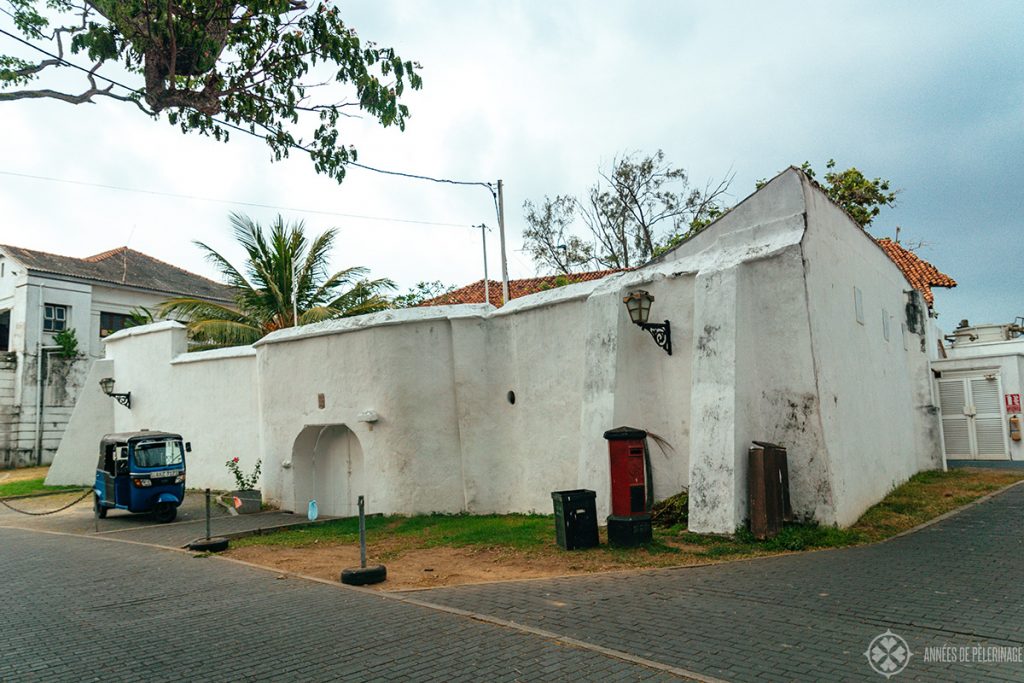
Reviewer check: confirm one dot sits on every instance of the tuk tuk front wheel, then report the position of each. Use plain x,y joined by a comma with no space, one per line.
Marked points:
99,509
165,512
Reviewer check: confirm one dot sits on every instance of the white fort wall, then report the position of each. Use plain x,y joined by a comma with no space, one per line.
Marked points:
415,411
875,397
209,398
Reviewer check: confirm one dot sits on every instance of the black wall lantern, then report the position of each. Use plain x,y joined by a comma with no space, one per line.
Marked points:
107,385
638,304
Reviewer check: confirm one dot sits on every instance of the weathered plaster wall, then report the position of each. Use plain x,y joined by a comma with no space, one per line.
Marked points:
411,457
748,287
874,393
75,461
415,410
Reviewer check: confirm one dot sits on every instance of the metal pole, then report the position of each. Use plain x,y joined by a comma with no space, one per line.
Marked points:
295,297
487,282
207,514
501,232
362,534
39,377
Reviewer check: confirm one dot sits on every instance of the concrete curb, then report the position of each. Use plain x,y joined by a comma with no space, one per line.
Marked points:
78,491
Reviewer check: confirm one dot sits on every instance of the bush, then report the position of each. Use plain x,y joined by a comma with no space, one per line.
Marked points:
674,511
68,343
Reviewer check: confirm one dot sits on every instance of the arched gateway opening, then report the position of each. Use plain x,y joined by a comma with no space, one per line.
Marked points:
327,462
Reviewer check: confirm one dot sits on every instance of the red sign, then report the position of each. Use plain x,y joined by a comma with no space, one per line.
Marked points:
1012,403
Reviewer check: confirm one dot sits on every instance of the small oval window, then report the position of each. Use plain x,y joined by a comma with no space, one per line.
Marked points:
511,397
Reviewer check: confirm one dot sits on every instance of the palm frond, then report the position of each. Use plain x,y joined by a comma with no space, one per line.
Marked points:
225,332
193,309
283,270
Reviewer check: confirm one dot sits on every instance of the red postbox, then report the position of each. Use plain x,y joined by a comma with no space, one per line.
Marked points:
630,521
629,483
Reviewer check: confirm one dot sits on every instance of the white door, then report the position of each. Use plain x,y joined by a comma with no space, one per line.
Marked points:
973,427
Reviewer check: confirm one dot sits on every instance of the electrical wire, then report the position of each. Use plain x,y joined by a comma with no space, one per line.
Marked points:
490,186
175,195
247,131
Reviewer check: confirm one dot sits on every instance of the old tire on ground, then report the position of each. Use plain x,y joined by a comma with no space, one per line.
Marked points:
215,544
364,576
165,512
100,510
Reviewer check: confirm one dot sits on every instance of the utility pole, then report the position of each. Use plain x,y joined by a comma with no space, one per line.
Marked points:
487,283
295,296
501,231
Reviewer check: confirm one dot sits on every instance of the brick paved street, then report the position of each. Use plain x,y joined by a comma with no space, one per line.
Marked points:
80,609
801,617
189,525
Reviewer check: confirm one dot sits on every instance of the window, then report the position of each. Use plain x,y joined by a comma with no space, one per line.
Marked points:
113,322
858,305
55,318
158,453
885,324
5,330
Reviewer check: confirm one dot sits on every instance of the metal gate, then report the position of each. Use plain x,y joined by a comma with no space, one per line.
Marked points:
973,425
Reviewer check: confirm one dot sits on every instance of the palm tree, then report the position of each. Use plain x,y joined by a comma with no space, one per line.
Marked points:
284,274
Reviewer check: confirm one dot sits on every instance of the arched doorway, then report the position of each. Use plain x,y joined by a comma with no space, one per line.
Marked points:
327,462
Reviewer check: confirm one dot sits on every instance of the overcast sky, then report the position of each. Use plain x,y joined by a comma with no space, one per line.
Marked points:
540,94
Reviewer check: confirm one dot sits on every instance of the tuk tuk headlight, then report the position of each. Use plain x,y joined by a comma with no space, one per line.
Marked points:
180,479
142,482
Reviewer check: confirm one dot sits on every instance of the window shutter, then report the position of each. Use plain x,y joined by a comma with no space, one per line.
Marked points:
988,421
955,429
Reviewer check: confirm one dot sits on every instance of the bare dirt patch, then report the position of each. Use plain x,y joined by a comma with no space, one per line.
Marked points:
418,568
447,550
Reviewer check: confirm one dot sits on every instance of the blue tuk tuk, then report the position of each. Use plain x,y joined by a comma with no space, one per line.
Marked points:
141,472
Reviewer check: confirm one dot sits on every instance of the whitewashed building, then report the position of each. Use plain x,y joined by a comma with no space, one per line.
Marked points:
789,324
979,379
43,294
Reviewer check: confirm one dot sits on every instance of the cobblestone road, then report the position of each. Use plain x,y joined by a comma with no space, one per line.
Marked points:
81,609
803,617
189,525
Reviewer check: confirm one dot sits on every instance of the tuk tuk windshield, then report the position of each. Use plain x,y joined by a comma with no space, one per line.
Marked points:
158,453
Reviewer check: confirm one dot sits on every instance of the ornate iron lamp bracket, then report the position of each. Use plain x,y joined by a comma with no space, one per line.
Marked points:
123,399
662,333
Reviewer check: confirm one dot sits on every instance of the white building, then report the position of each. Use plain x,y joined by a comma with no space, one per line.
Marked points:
43,294
789,324
979,380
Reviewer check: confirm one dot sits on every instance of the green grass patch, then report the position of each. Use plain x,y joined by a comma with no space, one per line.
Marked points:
927,495
923,497
792,537
27,487
425,531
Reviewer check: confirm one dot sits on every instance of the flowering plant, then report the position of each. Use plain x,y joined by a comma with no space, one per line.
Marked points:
244,483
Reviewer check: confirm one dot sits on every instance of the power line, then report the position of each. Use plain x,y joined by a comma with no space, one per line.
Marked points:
490,187
243,129
231,201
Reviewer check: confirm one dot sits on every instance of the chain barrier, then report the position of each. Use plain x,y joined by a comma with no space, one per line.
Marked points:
49,512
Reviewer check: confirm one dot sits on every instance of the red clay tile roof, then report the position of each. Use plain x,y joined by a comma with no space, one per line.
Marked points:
921,274
124,266
474,293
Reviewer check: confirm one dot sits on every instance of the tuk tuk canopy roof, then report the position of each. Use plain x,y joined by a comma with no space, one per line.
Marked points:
125,437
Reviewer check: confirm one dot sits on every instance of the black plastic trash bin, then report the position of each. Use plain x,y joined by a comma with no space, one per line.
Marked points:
575,518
